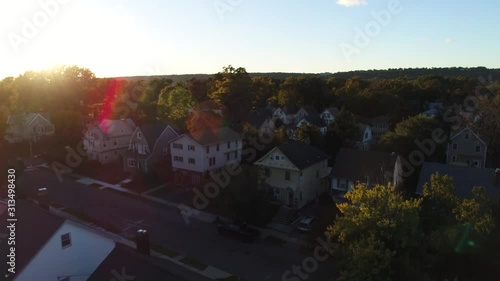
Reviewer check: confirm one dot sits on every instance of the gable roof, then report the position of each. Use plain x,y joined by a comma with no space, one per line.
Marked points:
358,165
110,127
332,110
465,178
258,117
301,154
34,227
467,128
313,120
211,136
127,261
152,132
26,118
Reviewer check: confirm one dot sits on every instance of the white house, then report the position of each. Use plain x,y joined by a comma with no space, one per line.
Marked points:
328,115
366,137
109,140
195,154
49,248
22,127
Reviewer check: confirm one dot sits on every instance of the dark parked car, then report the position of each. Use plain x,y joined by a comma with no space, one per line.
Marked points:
240,231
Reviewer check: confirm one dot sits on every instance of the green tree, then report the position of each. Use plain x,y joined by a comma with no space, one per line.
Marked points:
346,128
175,104
263,89
68,126
309,134
378,231
232,92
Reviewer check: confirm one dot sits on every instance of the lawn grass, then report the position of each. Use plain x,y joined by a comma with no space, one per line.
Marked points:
159,193
164,250
274,240
194,263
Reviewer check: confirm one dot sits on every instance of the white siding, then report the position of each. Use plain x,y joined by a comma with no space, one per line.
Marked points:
88,249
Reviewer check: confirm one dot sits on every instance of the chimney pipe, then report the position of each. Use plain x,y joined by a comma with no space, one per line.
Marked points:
497,177
142,242
43,201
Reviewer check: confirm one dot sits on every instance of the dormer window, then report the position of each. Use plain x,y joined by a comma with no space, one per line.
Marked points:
139,135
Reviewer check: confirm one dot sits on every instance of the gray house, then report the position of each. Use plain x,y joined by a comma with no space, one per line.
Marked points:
467,149
149,145
465,178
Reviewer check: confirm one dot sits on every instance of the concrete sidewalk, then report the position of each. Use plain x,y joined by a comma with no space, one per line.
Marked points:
186,211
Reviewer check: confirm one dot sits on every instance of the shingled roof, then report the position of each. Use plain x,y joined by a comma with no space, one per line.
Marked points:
211,136
34,227
358,165
301,154
465,178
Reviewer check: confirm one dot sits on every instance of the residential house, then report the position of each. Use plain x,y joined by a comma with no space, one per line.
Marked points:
309,116
328,115
261,120
109,140
466,148
286,114
434,109
51,248
149,146
380,126
296,172
28,126
366,167
366,138
465,178
196,154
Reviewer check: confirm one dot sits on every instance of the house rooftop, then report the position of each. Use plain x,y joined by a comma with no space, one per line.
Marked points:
358,165
258,117
127,261
211,136
465,178
302,155
34,227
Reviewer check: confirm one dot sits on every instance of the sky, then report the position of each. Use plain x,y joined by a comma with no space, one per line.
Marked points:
131,37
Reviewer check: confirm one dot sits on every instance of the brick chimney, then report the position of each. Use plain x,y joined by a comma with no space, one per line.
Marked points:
142,241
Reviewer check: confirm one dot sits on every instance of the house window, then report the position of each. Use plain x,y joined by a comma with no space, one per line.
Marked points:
235,154
218,147
228,144
178,159
178,145
476,163
236,143
66,240
208,149
271,157
191,147
211,161
115,143
103,144
455,146
478,148
453,159
191,161
466,136
139,135
227,156
287,175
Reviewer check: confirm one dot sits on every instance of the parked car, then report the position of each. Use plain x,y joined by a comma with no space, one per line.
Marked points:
305,223
239,231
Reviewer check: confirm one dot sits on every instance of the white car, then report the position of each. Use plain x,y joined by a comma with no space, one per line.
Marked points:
305,224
